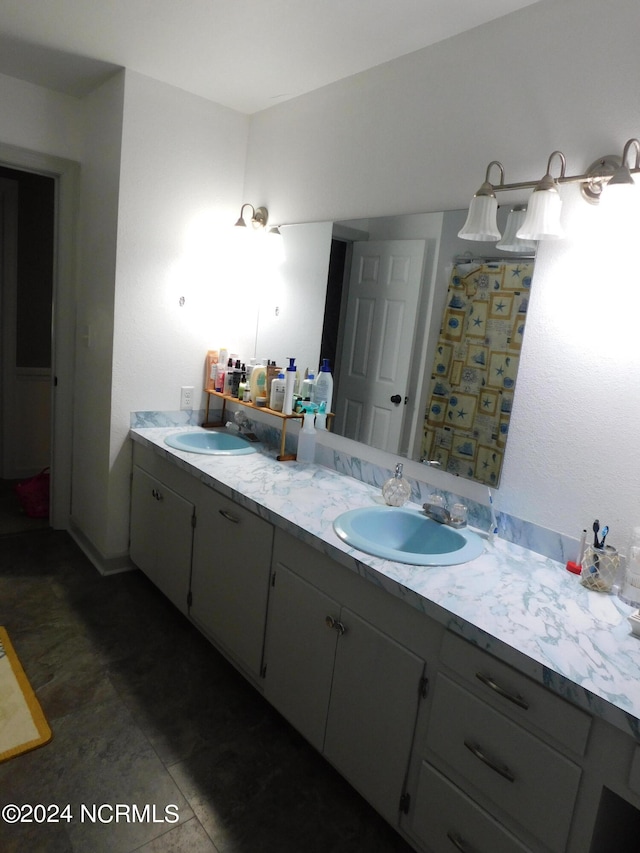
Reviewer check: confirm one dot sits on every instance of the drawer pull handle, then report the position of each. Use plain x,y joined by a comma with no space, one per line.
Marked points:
459,843
499,768
229,516
512,697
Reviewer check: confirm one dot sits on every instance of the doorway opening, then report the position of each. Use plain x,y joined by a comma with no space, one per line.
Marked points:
27,219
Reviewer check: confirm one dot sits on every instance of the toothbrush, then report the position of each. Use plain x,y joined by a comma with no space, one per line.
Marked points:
605,530
596,528
583,541
494,520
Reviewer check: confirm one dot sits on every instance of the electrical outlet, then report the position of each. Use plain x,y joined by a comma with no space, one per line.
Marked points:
186,397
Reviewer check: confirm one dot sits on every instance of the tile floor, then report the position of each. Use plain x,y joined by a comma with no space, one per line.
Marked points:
145,711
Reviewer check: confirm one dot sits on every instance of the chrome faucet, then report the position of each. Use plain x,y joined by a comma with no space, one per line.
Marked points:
436,509
438,512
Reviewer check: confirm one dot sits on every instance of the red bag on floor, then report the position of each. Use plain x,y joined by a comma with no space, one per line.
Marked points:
33,495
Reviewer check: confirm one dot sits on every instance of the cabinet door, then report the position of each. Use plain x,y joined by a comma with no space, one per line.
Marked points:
372,714
230,577
161,535
300,651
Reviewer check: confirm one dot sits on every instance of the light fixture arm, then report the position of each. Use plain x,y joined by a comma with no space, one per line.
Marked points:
625,153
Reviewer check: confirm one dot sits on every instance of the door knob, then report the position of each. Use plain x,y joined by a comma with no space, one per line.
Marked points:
397,399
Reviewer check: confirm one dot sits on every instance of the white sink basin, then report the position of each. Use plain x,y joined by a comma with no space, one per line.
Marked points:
406,535
218,442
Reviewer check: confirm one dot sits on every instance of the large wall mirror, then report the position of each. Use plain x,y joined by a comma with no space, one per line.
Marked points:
422,330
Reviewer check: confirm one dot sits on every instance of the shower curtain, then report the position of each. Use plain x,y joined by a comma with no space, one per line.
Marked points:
475,367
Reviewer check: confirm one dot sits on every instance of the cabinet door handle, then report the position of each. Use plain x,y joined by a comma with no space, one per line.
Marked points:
512,697
229,516
330,622
498,768
156,494
459,843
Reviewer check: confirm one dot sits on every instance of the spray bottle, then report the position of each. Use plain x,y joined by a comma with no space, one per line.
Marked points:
307,439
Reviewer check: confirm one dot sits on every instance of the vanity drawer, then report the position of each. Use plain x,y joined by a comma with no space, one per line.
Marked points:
494,759
448,821
516,695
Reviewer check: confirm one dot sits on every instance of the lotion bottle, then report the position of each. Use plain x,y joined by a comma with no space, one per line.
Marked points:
323,389
307,439
289,386
276,398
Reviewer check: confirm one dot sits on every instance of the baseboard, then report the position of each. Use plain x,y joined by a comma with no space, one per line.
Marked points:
105,565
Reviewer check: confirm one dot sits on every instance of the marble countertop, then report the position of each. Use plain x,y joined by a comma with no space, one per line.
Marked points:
522,607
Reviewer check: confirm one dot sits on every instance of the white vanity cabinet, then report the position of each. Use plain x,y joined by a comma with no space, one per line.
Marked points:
502,753
162,517
334,669
230,578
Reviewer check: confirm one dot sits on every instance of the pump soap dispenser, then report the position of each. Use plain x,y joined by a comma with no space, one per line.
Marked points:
396,491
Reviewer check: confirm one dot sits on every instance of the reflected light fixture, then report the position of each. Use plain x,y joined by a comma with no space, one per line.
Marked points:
482,219
608,176
509,241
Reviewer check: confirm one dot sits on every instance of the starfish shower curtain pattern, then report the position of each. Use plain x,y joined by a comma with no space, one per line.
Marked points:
475,367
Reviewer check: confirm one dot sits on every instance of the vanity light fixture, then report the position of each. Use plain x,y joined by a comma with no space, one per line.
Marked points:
482,219
621,188
259,217
542,221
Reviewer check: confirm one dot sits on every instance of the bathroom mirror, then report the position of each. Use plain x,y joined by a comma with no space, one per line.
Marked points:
424,355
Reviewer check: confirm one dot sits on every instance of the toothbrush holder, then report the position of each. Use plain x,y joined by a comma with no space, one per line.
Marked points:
600,568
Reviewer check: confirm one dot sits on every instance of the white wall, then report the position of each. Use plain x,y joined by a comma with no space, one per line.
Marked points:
416,135
180,192
94,315
39,120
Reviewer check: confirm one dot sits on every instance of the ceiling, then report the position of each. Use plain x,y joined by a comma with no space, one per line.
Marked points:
243,54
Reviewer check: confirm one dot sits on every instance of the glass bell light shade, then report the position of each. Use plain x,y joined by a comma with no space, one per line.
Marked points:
510,242
482,219
621,196
542,221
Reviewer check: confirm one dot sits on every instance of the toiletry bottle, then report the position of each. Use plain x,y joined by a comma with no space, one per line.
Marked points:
212,359
289,385
396,491
228,377
242,386
276,398
272,373
258,383
306,392
323,388
220,377
307,440
321,417
236,376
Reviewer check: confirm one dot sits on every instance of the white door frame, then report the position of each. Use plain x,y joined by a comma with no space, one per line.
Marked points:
66,174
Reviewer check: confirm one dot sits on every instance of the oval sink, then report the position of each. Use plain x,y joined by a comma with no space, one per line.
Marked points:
211,442
406,536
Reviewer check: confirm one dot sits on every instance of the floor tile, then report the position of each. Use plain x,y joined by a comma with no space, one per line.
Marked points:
146,712
188,837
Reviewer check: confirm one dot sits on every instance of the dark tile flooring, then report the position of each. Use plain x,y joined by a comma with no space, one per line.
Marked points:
145,711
